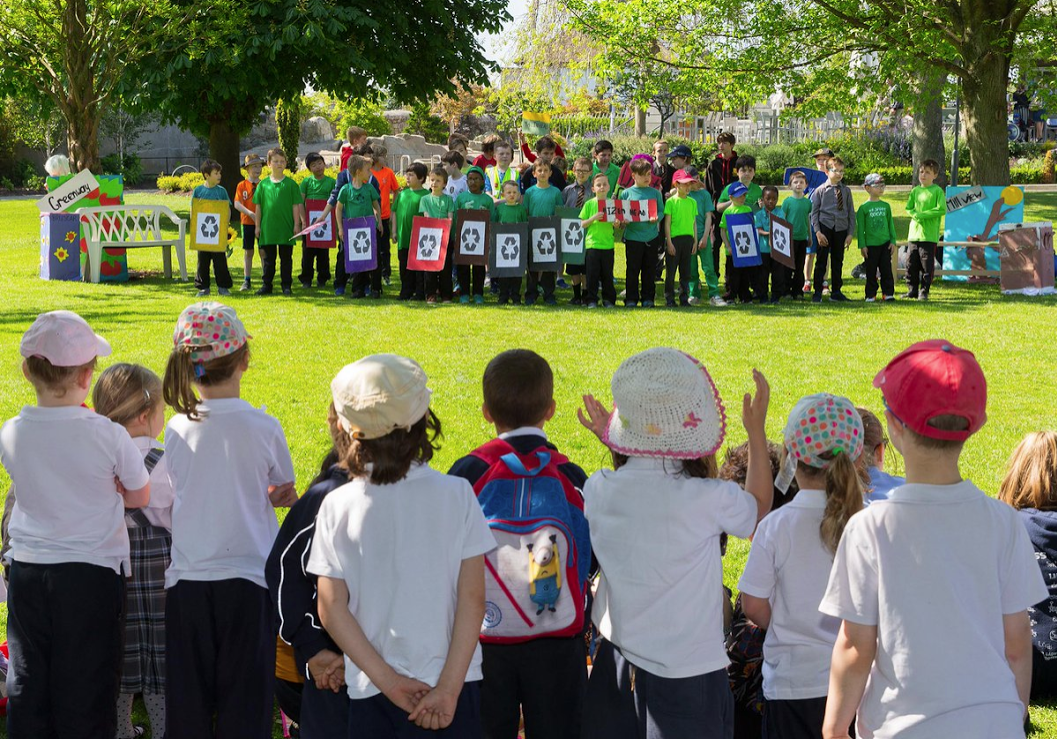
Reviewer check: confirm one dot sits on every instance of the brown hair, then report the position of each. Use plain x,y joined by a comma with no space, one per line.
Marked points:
456,139
208,167
726,136
703,467
797,175
834,161
355,132
379,151
277,152
392,455
844,495
518,388
1031,473
454,157
582,162
941,423
545,143
641,166
124,392
931,164
44,374
502,144
540,164
440,172
180,377
355,164
736,469
600,175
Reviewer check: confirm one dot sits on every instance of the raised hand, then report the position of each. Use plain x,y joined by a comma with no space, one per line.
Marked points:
754,409
596,418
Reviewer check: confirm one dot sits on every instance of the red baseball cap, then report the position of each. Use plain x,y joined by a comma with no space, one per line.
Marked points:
935,378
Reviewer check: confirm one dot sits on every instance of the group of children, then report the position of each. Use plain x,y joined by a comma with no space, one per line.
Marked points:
686,238
408,601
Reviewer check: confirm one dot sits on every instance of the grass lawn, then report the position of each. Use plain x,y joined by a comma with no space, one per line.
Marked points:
300,343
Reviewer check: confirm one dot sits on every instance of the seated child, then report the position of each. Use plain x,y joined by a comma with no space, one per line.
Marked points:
519,400
409,629
937,642
880,484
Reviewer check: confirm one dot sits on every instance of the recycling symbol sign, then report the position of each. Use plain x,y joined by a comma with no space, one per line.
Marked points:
780,243
472,241
743,243
361,244
545,245
426,246
574,236
210,226
510,249
320,233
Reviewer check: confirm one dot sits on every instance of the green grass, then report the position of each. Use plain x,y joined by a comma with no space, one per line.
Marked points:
300,343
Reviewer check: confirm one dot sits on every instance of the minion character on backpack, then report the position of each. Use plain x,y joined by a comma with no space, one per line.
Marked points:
545,574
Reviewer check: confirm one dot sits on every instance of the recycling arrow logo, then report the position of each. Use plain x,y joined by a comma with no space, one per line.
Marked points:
742,242
360,243
574,236
471,239
510,248
210,226
545,245
780,242
426,246
320,233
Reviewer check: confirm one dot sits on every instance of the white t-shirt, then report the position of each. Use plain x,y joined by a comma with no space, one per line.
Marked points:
789,566
223,524
159,510
399,549
656,535
935,568
456,186
63,462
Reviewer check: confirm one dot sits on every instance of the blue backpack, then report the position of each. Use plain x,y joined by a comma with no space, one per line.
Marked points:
535,580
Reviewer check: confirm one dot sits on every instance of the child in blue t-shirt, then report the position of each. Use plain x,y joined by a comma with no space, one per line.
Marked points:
212,190
769,268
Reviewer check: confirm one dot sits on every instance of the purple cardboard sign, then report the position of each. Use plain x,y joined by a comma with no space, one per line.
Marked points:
361,244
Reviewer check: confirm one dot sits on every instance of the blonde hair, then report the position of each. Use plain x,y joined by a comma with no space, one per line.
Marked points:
844,495
45,375
181,375
356,163
1031,473
124,392
942,423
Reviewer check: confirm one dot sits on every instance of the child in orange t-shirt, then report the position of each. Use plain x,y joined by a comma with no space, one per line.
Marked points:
388,187
244,205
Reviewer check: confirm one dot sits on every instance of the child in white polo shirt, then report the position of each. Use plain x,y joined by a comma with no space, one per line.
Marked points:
791,556
655,528
229,466
69,546
933,584
399,552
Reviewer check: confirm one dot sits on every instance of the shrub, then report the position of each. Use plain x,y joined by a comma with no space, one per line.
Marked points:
363,112
182,183
1027,174
425,124
132,171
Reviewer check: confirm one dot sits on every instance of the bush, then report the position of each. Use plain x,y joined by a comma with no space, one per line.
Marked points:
363,112
132,172
182,183
1027,174
425,124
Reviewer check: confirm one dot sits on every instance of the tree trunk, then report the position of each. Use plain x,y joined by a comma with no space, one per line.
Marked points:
640,121
81,109
984,104
927,142
224,147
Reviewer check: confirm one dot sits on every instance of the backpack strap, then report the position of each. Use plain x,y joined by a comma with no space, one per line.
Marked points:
513,461
150,462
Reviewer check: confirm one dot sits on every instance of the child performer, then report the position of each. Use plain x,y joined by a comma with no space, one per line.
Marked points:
876,232
244,205
277,218
212,190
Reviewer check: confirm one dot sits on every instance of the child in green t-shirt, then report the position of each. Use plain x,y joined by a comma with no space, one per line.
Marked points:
703,260
926,207
359,199
740,278
541,201
797,209
316,187
474,198
680,234
438,204
277,218
640,237
510,210
876,233
599,247
407,205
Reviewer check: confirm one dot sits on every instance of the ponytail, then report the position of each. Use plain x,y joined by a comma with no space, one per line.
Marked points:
181,375
844,495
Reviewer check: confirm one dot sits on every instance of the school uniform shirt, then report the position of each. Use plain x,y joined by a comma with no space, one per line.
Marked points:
731,211
762,219
935,568
874,225
159,510
388,188
798,213
505,213
357,202
313,188
926,207
244,196
599,235
1042,531
455,186
399,549
576,191
643,230
683,212
656,534
469,201
63,462
220,467
826,211
881,485
277,201
752,197
528,179
540,202
408,203
436,206
789,566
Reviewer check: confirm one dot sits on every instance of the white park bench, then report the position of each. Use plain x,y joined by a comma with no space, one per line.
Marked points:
131,227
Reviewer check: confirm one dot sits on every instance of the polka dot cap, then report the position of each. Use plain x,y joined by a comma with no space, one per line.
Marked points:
820,424
211,329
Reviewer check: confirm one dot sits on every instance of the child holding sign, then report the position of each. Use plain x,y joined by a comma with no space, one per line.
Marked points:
316,187
438,204
359,199
600,246
768,268
212,190
475,198
640,238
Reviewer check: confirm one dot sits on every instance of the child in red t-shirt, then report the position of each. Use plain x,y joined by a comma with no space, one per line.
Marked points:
244,205
388,187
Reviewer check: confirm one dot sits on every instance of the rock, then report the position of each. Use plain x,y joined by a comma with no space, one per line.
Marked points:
397,119
316,130
406,148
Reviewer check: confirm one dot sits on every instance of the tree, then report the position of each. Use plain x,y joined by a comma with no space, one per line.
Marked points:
809,49
288,122
247,54
76,53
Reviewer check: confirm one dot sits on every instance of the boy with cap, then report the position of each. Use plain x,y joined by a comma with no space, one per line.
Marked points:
399,553
876,232
933,584
76,472
739,280
680,233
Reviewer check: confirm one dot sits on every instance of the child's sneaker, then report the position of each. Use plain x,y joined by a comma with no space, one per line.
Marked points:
431,300
889,298
647,303
871,300
245,286
576,301
592,305
807,287
551,300
339,291
464,299
561,283
718,302
202,293
478,299
695,301
223,291
670,302
607,304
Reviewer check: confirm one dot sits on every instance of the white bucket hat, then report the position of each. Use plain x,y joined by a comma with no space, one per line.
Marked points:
379,394
666,405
